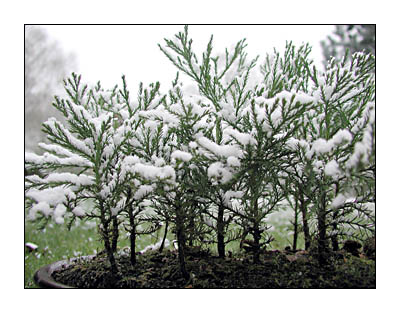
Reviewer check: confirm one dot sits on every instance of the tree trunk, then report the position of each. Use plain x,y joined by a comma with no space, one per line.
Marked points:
295,224
180,233
132,237
191,230
181,253
306,229
294,246
322,244
164,237
257,239
105,234
110,256
115,234
220,232
335,242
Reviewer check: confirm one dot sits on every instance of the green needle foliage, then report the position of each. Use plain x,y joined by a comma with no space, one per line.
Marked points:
214,163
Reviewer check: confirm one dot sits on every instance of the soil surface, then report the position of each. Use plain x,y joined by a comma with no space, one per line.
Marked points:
277,269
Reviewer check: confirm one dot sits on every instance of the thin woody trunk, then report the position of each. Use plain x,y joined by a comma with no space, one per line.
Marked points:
191,228
180,233
295,226
115,233
110,256
255,231
132,235
220,232
181,253
306,229
335,242
105,233
322,244
164,237
257,250
132,238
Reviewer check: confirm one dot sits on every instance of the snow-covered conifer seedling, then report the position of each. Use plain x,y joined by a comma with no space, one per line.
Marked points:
210,163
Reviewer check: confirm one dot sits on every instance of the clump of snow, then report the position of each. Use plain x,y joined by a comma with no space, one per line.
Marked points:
59,213
318,165
332,169
159,162
160,114
321,146
152,125
79,211
363,149
233,161
218,171
151,172
230,195
155,246
131,160
181,155
42,207
51,195
360,151
244,139
276,117
99,121
228,111
78,180
219,150
343,135
143,191
193,145
56,149
303,98
48,158
338,201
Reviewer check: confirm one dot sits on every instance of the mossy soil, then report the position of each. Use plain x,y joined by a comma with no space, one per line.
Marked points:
276,269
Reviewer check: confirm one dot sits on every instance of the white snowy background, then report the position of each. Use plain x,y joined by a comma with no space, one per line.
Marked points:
105,52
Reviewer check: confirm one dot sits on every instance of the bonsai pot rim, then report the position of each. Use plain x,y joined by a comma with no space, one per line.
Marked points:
43,276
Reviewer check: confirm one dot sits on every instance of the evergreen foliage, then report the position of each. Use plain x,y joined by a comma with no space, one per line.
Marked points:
215,163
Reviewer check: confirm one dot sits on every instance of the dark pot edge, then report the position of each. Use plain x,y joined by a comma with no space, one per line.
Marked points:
43,278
